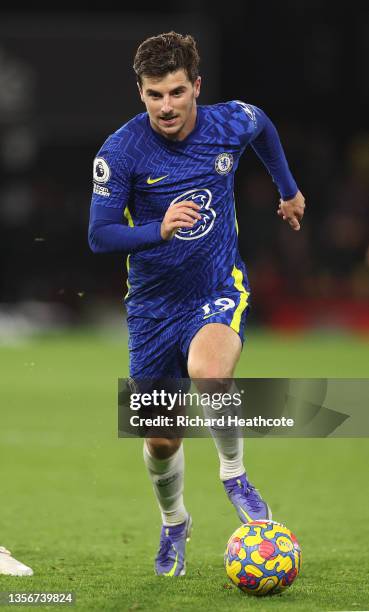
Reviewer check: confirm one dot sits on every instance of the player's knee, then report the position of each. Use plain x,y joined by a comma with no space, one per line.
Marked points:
163,448
212,379
211,369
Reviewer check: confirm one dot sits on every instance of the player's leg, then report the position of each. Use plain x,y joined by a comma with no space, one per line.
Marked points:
164,459
11,566
153,354
213,354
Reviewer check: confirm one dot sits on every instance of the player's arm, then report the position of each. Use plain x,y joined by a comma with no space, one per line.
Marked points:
266,143
107,231
108,234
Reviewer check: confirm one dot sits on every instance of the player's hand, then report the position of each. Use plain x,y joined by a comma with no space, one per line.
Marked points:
181,214
292,210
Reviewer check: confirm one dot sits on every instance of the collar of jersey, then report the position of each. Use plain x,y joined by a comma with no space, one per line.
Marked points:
177,144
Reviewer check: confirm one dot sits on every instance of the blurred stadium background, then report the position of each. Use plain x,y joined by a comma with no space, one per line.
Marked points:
66,83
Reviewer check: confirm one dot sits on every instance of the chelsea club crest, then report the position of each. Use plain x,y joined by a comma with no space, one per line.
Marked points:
224,163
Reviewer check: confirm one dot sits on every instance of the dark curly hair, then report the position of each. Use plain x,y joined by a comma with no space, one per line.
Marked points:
168,52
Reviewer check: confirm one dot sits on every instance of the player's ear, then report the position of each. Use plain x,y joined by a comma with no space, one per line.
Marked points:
140,91
197,86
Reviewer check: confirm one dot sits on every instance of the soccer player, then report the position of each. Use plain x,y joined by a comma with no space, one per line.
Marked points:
10,566
163,194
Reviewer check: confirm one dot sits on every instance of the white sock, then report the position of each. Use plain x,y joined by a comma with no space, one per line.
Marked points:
167,476
229,446
230,451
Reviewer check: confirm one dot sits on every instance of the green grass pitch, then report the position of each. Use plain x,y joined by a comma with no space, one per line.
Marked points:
76,504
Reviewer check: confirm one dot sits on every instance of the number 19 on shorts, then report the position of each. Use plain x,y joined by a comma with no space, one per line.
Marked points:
220,305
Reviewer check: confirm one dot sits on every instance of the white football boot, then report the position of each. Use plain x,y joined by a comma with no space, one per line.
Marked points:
10,566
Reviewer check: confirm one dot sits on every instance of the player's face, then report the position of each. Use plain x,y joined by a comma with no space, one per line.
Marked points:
171,103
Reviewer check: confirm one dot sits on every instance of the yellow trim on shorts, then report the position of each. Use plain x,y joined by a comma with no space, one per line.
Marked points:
128,216
244,295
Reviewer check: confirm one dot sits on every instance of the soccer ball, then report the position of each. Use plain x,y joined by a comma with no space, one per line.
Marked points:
262,557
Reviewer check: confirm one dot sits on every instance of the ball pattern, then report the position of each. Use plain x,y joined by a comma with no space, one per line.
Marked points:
262,557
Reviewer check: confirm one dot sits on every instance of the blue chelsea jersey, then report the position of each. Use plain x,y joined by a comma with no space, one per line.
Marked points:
142,173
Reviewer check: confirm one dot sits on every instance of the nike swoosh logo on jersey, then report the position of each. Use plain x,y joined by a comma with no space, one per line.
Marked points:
151,181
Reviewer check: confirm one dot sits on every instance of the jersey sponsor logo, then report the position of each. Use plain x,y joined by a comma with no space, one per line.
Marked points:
102,191
101,170
203,198
151,181
224,163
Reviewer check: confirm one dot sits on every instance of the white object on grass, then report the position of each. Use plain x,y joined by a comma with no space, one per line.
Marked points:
10,566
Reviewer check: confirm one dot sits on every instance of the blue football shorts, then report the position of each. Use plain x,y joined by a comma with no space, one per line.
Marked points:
159,347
